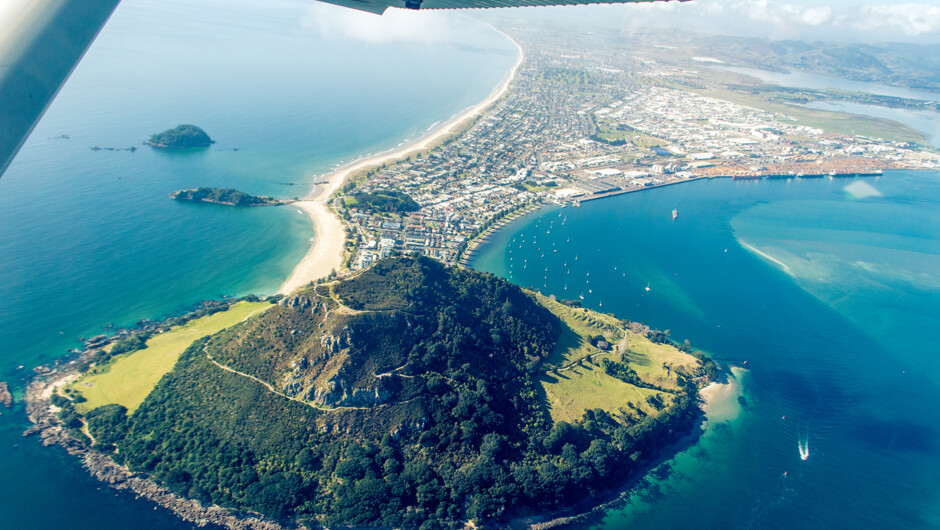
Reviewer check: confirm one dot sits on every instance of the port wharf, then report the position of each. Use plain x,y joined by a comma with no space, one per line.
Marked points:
485,235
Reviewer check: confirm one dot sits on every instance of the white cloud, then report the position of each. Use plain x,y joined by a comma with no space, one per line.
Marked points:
395,25
815,16
779,13
912,19
791,18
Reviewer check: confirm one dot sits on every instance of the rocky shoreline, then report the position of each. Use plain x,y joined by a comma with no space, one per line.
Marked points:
591,511
226,197
6,398
50,429
46,425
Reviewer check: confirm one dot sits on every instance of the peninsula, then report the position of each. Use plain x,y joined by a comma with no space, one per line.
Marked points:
180,137
409,393
226,196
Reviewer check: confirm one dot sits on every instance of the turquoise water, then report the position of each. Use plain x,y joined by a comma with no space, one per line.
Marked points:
90,238
828,289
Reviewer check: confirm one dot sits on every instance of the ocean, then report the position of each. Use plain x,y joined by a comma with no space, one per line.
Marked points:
89,239
822,294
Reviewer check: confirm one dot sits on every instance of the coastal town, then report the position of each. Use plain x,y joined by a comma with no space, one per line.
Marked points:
583,123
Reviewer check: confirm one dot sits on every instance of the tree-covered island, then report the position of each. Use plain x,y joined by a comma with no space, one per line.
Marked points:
226,196
180,137
408,395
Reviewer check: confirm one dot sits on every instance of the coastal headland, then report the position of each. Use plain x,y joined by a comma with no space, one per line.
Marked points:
616,397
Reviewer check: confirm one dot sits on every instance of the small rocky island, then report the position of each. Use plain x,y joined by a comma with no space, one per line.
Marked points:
226,196
181,137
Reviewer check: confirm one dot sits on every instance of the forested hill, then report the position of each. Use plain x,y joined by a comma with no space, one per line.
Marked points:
408,395
384,201
226,196
181,137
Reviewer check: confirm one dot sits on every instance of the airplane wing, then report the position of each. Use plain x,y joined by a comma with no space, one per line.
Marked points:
379,6
41,42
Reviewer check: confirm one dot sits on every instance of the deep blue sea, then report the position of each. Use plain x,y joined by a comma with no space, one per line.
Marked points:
288,89
825,296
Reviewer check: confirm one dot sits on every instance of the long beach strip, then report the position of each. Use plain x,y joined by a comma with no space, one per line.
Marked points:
326,253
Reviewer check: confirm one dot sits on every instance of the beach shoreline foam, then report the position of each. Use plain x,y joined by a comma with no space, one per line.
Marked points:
326,253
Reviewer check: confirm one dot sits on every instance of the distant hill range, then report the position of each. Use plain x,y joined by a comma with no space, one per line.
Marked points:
909,65
180,137
226,196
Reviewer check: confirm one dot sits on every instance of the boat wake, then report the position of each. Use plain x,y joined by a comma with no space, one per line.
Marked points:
804,448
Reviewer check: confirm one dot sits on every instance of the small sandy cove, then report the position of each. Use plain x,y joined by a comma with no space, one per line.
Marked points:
326,253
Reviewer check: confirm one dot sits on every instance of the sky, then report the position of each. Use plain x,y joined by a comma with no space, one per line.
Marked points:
859,21
841,20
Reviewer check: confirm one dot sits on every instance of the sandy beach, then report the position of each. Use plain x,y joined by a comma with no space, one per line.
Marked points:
720,400
326,253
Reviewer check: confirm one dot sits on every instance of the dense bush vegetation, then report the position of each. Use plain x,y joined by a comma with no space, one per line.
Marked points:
626,374
181,136
223,196
389,201
130,343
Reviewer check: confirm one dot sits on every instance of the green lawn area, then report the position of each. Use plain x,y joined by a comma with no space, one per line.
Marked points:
534,189
580,325
606,133
570,390
645,141
648,359
612,134
129,378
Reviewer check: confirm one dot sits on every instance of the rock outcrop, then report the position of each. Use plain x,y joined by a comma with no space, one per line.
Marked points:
6,398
